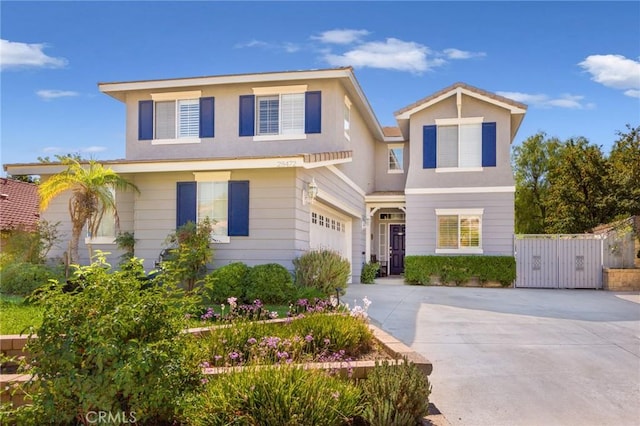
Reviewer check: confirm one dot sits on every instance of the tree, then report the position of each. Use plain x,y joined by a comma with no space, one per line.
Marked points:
531,162
579,194
624,172
91,186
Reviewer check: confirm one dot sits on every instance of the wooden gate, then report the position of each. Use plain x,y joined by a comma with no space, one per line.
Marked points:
559,261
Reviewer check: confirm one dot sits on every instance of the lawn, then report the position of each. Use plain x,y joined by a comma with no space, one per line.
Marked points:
16,315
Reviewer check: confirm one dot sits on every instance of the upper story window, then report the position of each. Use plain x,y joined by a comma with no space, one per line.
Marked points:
280,113
459,144
396,159
347,118
176,117
459,231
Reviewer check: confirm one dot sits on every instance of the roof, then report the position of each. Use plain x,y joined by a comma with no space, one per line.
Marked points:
425,102
18,204
391,131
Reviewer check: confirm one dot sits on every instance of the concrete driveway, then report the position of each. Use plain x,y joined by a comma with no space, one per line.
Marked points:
519,356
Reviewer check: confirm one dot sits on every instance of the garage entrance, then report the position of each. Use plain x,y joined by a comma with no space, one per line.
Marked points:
330,230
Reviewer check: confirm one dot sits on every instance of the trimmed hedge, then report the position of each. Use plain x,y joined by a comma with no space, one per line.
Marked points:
460,269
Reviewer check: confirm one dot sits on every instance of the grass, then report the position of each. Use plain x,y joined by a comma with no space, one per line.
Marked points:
16,316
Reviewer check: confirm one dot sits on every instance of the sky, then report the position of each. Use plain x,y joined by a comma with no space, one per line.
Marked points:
575,64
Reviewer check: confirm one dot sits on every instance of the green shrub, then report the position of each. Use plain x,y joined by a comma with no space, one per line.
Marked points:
270,283
369,272
22,278
308,293
275,396
325,270
224,282
396,394
114,346
187,261
459,269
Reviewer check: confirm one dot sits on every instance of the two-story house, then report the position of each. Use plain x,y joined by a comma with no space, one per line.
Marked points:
285,162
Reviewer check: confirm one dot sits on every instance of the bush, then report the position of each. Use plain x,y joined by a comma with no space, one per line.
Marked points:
224,282
459,269
270,283
22,278
396,394
112,346
275,396
325,270
369,272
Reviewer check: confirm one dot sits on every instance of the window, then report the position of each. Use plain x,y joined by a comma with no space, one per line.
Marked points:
213,195
176,117
459,231
347,118
280,114
106,232
459,146
396,159
213,202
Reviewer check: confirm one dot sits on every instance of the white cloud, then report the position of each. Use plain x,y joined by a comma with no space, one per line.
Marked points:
94,148
341,36
48,149
287,47
19,55
391,54
540,100
48,95
615,71
452,53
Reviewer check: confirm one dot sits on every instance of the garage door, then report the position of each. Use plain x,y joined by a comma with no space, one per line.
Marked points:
330,230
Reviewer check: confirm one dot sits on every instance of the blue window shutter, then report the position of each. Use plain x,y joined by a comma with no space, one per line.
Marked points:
186,196
488,144
238,214
207,115
429,153
145,120
247,115
312,112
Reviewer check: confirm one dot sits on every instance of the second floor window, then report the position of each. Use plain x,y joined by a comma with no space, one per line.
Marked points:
177,119
280,114
459,146
396,159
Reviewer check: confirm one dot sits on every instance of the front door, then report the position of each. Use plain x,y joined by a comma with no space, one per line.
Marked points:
396,258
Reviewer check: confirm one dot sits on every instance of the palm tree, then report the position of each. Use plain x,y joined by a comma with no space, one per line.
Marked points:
92,196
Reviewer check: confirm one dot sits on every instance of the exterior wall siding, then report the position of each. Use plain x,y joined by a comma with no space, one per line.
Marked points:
385,181
497,220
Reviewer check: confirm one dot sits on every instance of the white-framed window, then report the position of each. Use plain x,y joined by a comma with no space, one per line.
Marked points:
459,231
213,202
281,114
106,233
347,118
459,144
395,158
176,117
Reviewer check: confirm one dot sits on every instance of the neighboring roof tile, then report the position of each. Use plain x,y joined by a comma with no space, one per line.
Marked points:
327,156
391,131
18,204
464,86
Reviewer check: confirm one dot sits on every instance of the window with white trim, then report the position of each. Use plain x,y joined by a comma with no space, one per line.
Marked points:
347,118
459,143
106,232
213,202
459,230
396,159
177,119
281,114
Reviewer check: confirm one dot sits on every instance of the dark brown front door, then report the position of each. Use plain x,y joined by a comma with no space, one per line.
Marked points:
396,266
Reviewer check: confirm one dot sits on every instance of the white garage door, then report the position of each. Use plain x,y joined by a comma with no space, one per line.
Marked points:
330,230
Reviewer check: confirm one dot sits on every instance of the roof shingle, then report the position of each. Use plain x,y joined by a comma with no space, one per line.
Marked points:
18,205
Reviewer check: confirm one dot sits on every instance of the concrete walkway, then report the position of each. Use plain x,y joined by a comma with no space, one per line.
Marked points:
519,357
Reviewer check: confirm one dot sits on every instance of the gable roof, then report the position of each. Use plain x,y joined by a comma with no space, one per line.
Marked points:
467,89
18,205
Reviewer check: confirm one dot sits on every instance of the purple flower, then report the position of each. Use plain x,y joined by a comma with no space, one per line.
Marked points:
308,338
257,303
271,342
303,302
205,364
234,355
335,395
326,341
251,341
282,355
204,381
217,357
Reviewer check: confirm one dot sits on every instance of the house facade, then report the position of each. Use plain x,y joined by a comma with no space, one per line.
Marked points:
285,162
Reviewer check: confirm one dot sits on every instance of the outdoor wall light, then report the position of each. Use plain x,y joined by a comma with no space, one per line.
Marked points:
310,194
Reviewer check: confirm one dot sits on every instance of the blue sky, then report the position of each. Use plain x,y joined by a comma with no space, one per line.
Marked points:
576,64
